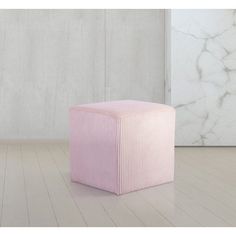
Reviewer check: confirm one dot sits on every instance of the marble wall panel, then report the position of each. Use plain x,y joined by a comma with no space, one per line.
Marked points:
203,76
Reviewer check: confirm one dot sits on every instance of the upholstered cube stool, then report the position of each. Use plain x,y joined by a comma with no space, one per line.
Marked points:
122,146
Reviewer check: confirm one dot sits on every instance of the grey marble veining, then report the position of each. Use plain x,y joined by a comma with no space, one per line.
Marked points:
203,76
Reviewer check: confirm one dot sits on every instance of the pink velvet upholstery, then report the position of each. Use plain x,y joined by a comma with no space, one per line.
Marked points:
122,146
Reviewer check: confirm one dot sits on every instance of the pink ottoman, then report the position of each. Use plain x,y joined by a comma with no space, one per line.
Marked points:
122,146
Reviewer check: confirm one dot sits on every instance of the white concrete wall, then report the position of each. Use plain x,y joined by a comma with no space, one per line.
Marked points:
135,52
52,59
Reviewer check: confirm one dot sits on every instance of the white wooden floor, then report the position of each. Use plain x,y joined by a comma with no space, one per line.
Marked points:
35,190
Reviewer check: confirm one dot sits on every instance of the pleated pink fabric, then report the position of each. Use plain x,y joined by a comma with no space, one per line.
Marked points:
122,146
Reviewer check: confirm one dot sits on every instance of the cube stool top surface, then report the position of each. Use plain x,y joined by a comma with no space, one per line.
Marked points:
123,107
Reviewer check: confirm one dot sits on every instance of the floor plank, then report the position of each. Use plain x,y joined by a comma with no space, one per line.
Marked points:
15,208
211,198
66,210
3,161
144,211
204,170
169,209
41,211
198,212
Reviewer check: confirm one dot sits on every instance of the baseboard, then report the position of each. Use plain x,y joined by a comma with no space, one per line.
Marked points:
12,141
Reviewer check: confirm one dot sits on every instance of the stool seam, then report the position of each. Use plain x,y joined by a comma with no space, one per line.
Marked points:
118,139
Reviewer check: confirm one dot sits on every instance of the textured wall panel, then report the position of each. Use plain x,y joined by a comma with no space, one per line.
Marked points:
53,59
49,60
135,54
